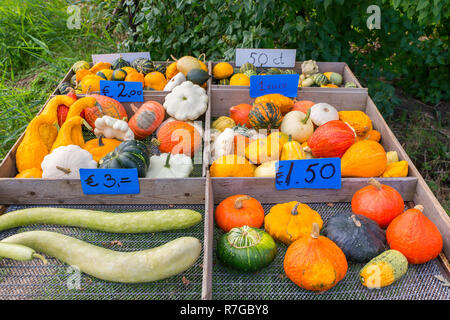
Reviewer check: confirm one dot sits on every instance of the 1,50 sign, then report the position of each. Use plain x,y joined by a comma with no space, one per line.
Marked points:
322,173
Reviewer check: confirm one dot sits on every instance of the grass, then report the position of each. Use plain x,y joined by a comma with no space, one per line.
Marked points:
37,48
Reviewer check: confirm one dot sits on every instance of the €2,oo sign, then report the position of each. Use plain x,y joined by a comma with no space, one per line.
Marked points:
122,91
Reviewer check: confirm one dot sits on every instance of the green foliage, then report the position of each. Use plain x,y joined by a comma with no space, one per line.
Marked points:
410,50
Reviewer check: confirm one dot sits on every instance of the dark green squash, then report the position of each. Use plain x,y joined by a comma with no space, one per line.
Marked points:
143,65
64,87
197,76
129,154
246,249
359,237
119,63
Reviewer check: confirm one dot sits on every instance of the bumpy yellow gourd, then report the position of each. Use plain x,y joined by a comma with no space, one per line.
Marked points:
266,149
232,166
283,102
292,150
358,120
396,169
70,133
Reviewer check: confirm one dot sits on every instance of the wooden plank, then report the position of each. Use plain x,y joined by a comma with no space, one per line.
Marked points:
422,195
69,191
208,241
264,189
344,99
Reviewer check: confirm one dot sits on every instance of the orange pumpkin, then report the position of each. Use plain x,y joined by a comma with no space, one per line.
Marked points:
146,119
365,158
239,114
30,173
179,137
80,74
378,202
171,70
239,79
135,77
415,236
331,139
105,106
237,211
302,105
315,263
155,80
100,147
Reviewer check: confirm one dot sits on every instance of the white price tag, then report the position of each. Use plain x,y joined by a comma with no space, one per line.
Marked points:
279,58
128,56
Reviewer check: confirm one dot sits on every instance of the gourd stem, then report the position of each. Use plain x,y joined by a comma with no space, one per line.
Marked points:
238,203
356,221
375,183
65,170
202,55
100,141
87,125
37,255
174,59
167,165
294,210
290,138
134,108
419,207
315,232
308,113
155,142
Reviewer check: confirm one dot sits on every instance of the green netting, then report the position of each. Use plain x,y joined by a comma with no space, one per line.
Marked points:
272,283
33,280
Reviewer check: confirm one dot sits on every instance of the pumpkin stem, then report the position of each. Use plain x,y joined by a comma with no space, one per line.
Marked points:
294,210
315,232
37,255
244,237
174,59
238,203
375,183
356,221
290,138
308,113
134,108
65,170
419,207
100,141
167,165
155,142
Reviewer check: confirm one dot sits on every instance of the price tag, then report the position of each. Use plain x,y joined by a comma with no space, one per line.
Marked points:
278,58
109,181
128,56
285,84
122,91
322,173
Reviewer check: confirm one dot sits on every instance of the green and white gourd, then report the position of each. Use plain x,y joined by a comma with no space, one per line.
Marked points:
143,65
319,79
246,67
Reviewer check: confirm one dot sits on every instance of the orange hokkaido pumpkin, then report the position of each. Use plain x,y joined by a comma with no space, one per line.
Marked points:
239,114
179,137
365,158
239,210
302,105
415,236
105,106
146,119
331,139
315,262
378,202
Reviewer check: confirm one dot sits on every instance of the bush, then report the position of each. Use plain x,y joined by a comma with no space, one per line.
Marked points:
410,50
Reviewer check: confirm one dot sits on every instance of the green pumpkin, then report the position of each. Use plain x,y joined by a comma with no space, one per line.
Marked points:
350,85
105,74
224,82
73,81
80,65
246,67
335,78
119,75
250,73
246,249
64,87
319,79
197,76
129,154
143,65
119,63
160,68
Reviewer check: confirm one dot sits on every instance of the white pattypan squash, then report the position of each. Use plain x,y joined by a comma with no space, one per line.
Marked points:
223,144
64,162
187,101
169,165
113,128
323,112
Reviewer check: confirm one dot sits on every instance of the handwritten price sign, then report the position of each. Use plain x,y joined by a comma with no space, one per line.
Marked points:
109,181
285,84
279,58
122,91
322,173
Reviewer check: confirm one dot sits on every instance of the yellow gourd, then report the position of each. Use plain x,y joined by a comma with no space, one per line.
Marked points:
30,173
155,80
292,150
287,222
267,169
239,79
364,158
222,123
70,133
78,106
266,149
396,169
222,70
99,66
358,120
232,166
392,157
90,83
171,70
284,103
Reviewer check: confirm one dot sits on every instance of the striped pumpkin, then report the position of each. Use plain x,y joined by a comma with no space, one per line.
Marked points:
143,65
119,75
265,116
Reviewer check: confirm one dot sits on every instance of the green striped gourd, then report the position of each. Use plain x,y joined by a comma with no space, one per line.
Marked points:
265,116
224,82
143,65
319,79
119,63
250,73
80,65
119,75
64,87
247,66
350,84
274,71
160,68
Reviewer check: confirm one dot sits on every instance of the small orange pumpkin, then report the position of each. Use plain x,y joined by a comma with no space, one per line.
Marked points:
179,137
239,79
365,158
315,262
30,173
371,135
155,80
414,235
100,147
232,165
146,119
239,114
135,77
237,211
171,70
302,105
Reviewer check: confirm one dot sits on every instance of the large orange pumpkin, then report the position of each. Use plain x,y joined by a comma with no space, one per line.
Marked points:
237,211
378,202
105,106
179,137
331,139
414,235
315,263
365,158
146,119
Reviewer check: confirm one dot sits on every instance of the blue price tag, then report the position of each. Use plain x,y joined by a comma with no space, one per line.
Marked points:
109,181
324,173
285,84
122,91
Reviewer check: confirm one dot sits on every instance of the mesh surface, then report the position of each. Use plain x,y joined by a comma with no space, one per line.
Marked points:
33,280
271,283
